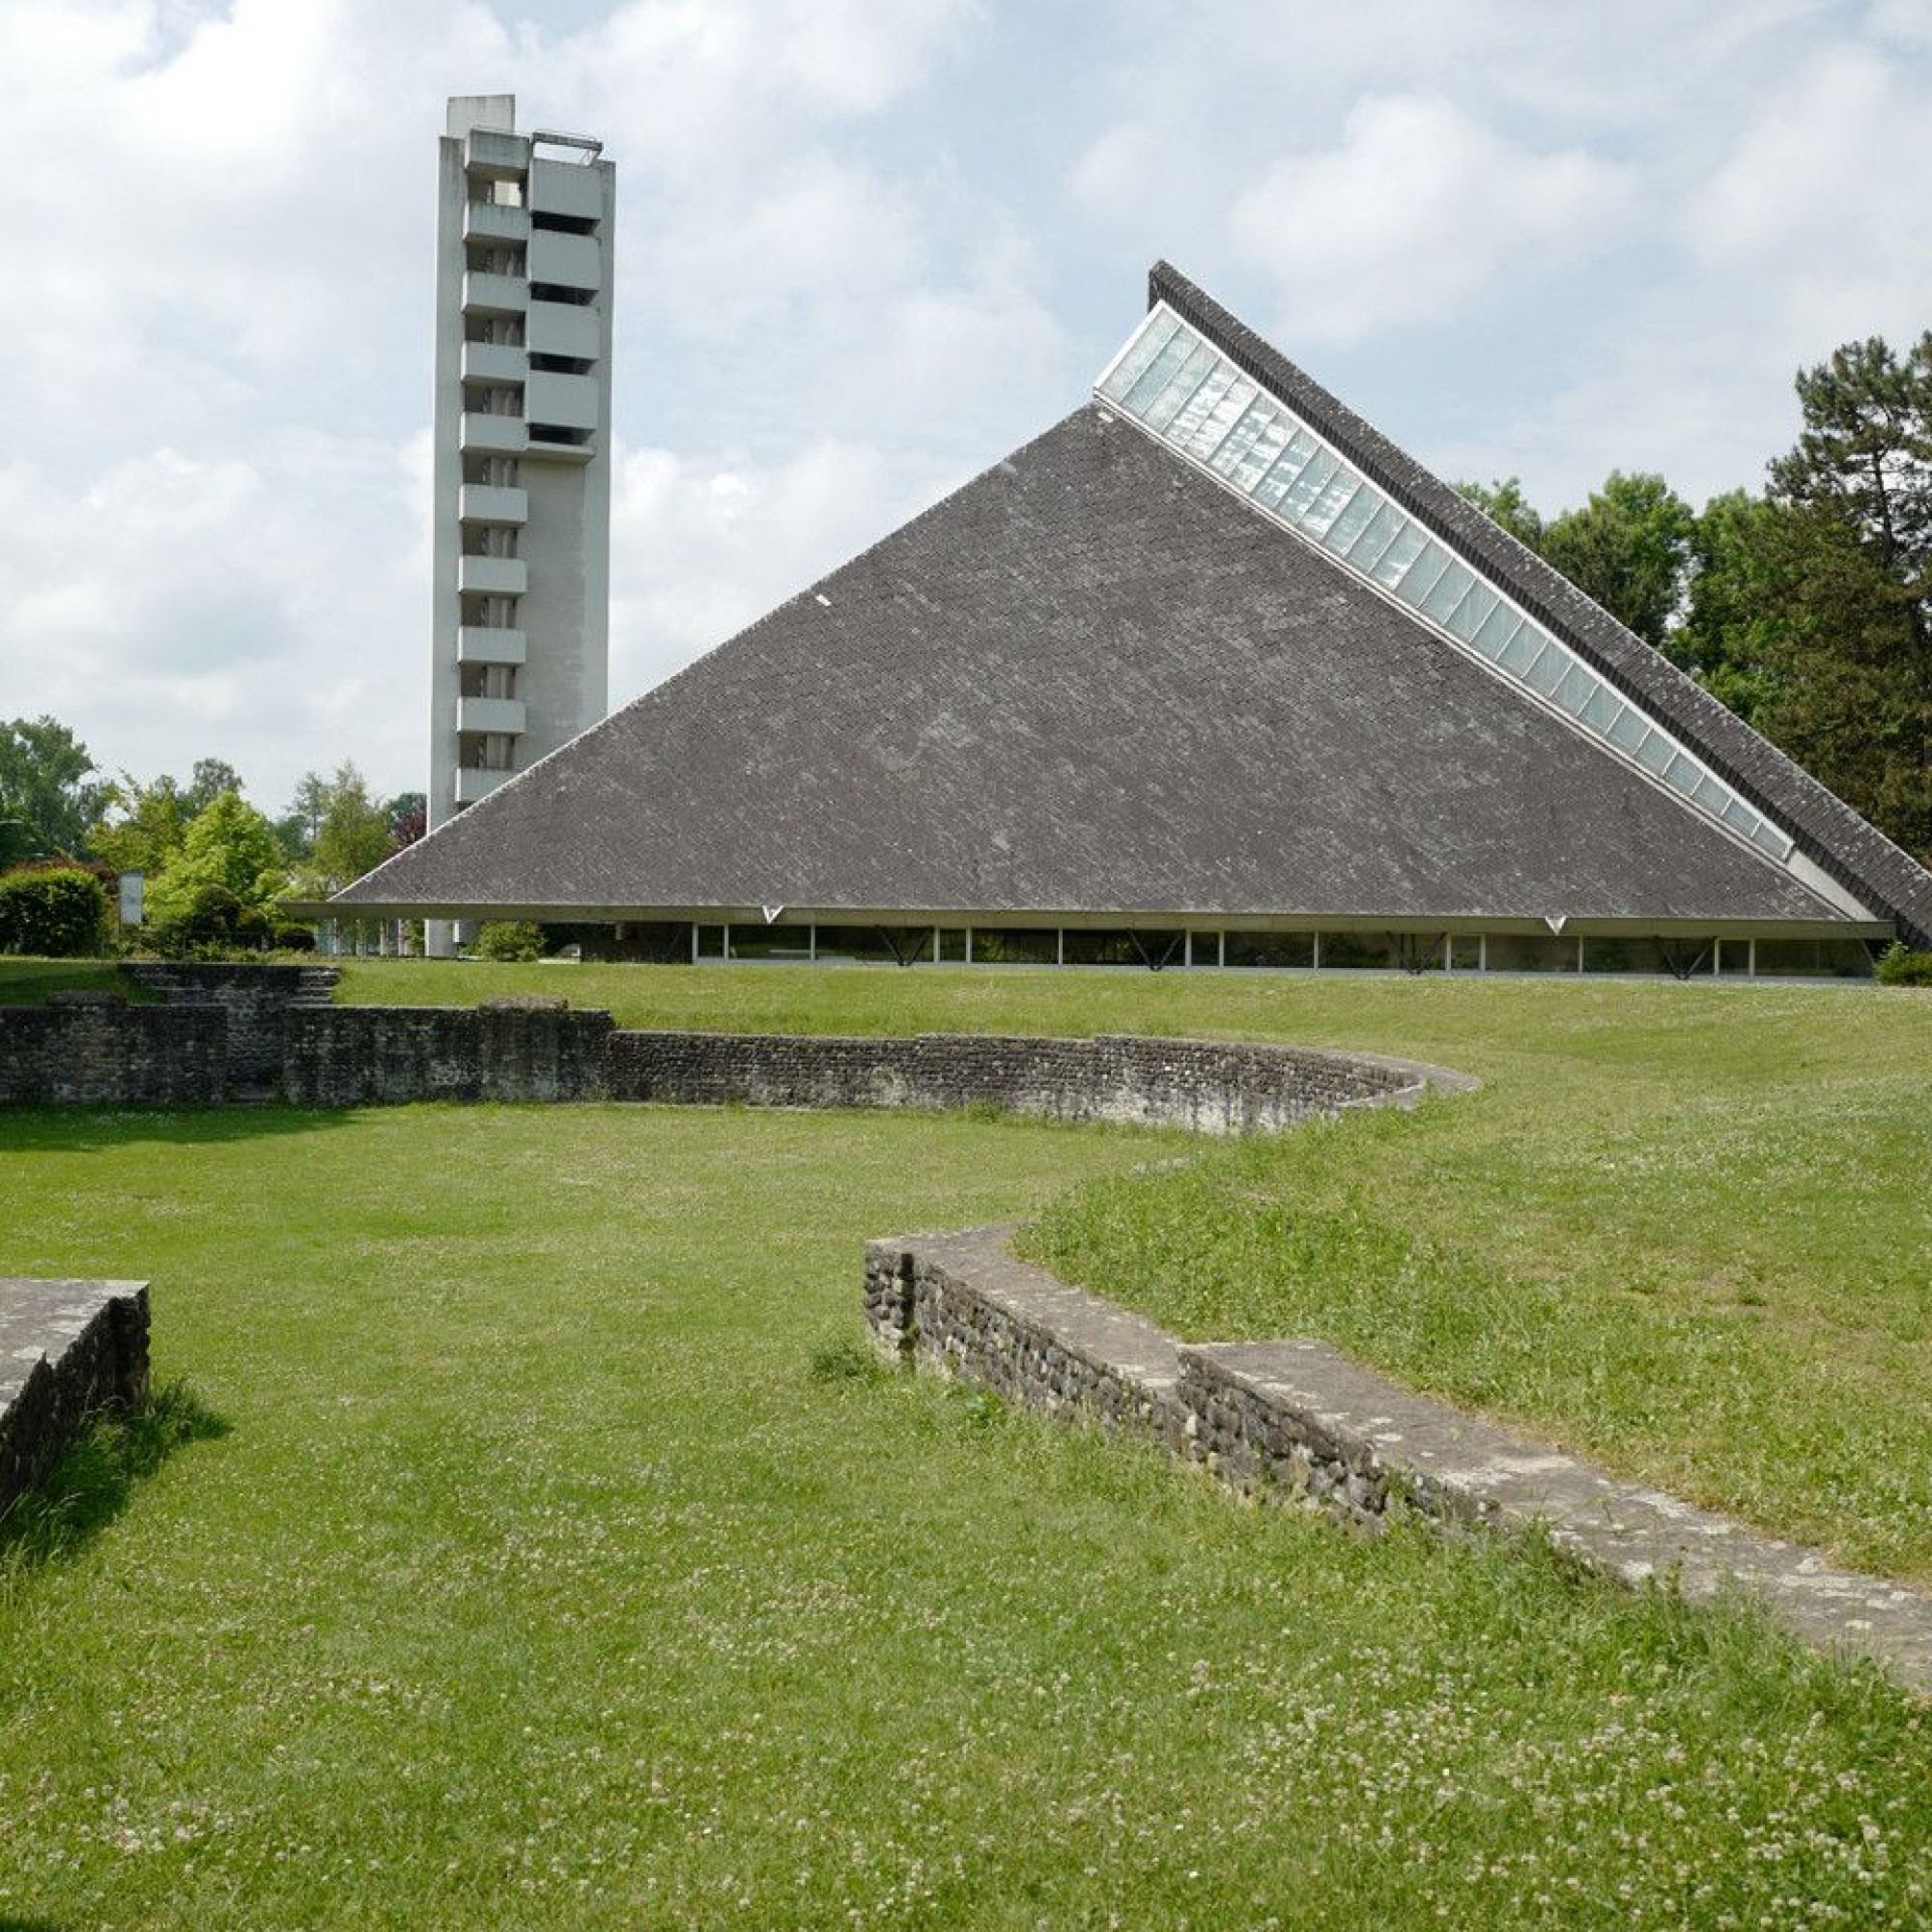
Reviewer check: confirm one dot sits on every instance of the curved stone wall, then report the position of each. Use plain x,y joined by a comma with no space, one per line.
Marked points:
92,1052
1213,1087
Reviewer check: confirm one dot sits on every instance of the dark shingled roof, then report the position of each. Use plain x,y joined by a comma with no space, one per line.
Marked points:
1828,829
1090,681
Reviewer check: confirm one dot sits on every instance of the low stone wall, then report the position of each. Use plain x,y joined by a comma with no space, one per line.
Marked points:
69,1350
247,1032
92,1051
962,1303
503,1050
1298,1421
257,1000
1209,1086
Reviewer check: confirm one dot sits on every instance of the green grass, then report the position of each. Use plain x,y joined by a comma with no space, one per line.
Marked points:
27,983
1685,1230
564,1562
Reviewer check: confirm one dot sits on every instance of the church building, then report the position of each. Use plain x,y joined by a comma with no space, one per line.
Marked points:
1208,675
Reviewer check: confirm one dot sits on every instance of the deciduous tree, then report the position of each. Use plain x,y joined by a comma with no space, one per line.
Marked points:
353,833
44,783
1836,599
1629,548
144,827
1504,503
230,872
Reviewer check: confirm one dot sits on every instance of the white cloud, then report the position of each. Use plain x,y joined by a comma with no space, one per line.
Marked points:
1908,22
1814,228
703,89
850,274
1419,210
175,608
700,550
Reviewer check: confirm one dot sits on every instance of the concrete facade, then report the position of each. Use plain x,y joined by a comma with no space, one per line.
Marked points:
519,660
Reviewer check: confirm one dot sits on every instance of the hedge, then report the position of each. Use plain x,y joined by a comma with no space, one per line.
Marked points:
56,914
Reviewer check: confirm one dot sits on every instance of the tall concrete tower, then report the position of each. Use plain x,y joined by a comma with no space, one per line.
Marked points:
521,639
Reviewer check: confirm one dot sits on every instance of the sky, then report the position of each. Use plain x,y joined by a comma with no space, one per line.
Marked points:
864,248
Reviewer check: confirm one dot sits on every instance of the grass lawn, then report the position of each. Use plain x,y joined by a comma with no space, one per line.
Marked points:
564,1563
27,983
1685,1230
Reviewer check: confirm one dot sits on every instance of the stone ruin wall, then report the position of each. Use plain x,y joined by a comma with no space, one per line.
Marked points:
253,1033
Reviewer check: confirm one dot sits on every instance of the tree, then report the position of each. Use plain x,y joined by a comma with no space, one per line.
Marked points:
223,888
409,818
212,777
298,827
148,828
1832,601
1846,690
354,832
1723,641
1865,454
44,783
1629,548
1505,504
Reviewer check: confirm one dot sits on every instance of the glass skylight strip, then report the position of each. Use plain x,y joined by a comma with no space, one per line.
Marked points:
1133,363
1193,369
1355,516
1302,449
1178,386
1379,533
1220,422
1247,430
1263,453
1196,409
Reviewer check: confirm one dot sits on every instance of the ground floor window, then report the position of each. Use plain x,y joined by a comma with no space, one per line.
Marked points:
1015,946
1532,952
1270,948
1078,948
781,941
1813,958
1677,959
776,941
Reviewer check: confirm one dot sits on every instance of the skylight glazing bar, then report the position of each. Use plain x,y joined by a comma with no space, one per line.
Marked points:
1247,432
1155,378
1134,360
1261,455
1221,421
1201,405
1404,547
1375,537
1174,384
1302,450
1193,369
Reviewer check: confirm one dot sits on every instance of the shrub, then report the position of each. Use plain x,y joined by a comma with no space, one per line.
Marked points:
209,923
57,914
509,941
1899,966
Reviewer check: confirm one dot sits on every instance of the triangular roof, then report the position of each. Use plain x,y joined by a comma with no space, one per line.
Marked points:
1101,679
